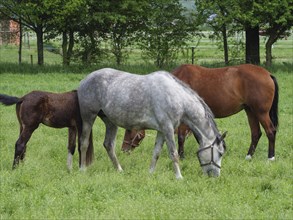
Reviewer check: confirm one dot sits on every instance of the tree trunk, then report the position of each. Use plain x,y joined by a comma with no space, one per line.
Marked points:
252,45
64,47
269,56
225,42
274,35
70,45
67,46
40,45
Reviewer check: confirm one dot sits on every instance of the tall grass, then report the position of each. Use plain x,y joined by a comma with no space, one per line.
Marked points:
41,187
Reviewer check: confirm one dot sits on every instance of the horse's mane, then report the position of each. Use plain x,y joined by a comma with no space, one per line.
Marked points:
208,112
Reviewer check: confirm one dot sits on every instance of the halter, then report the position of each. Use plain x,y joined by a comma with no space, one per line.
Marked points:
212,162
131,142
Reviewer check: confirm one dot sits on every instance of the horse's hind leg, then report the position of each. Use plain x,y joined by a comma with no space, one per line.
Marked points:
157,150
84,141
270,132
109,142
71,146
20,145
255,132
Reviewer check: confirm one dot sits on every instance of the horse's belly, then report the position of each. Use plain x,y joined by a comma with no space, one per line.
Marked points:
59,120
131,119
225,109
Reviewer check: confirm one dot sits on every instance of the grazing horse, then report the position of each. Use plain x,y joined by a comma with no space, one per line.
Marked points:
229,90
155,101
132,139
57,110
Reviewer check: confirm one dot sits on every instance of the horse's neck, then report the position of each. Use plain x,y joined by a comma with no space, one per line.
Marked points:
204,131
207,134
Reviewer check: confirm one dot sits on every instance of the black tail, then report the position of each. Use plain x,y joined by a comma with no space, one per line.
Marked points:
274,108
8,100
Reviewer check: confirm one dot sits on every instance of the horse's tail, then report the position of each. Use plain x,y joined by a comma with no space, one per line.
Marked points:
8,100
90,150
274,109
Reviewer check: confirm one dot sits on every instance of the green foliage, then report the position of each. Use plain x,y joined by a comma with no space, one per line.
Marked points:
124,26
274,19
41,187
159,27
206,52
167,30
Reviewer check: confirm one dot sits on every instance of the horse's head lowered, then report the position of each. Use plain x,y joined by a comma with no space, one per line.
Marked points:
210,157
132,139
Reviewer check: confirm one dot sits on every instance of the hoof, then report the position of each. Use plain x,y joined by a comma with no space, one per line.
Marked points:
179,177
248,157
82,169
271,159
119,169
182,156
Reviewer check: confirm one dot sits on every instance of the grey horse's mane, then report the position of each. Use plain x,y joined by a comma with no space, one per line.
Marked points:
208,113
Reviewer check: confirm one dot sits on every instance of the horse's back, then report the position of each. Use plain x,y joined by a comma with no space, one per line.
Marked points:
53,109
228,90
131,100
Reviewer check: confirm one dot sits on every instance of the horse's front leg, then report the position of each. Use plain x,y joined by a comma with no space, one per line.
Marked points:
181,139
71,146
109,142
173,153
157,150
126,145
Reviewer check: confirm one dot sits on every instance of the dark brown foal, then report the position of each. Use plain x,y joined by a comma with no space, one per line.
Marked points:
57,110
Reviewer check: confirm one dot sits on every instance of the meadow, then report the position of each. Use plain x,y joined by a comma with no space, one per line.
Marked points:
42,188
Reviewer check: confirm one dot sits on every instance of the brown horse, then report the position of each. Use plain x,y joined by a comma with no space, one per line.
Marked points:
229,90
57,110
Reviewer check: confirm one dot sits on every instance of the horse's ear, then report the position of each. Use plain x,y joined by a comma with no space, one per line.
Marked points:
223,135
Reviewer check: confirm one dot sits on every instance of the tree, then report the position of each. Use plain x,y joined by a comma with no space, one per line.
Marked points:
166,30
274,17
66,22
252,44
92,30
125,22
278,20
246,15
216,15
33,14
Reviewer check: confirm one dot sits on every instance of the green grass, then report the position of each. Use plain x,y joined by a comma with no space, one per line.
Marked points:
41,187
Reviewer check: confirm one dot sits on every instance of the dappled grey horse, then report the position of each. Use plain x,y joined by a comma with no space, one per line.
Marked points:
155,101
